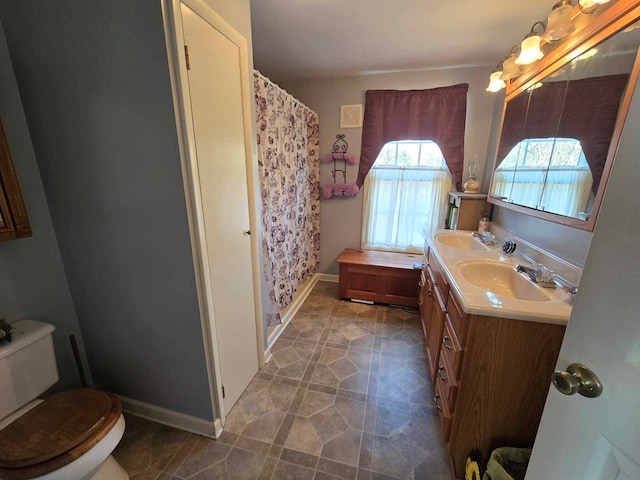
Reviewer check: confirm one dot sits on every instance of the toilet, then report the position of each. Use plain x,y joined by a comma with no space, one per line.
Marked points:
70,435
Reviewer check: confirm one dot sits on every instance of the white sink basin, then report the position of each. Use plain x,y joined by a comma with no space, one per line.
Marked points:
459,240
502,279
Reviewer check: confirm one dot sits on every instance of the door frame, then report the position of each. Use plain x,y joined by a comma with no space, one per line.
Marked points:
174,38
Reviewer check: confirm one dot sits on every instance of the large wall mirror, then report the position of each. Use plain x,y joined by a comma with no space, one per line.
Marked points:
560,128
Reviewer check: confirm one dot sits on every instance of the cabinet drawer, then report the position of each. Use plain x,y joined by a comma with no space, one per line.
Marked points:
459,319
448,382
443,411
451,348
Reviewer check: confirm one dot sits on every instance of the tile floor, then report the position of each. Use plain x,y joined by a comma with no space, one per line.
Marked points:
345,396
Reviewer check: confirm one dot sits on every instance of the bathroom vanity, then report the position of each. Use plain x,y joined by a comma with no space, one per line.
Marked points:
492,339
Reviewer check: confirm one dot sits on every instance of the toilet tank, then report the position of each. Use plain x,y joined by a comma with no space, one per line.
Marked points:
27,365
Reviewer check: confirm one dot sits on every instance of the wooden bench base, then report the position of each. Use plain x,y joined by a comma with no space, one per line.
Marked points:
383,277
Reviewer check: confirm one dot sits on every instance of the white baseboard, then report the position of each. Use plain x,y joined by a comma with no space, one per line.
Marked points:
172,419
292,309
326,277
267,355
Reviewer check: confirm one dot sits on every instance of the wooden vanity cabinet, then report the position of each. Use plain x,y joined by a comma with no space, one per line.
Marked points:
434,309
492,376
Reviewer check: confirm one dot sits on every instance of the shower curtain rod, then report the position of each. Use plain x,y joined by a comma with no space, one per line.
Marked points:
295,100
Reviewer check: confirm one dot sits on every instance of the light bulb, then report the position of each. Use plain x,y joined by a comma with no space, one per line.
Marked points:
495,83
587,4
530,50
510,68
559,23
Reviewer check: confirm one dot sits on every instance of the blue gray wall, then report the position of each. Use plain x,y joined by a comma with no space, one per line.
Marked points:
94,81
33,283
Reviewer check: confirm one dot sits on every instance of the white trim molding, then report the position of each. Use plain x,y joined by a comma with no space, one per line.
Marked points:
292,309
327,277
210,429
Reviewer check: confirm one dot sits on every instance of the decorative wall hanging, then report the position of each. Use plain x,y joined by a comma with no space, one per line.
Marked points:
340,158
351,116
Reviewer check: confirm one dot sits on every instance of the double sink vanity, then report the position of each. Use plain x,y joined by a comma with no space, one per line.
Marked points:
492,337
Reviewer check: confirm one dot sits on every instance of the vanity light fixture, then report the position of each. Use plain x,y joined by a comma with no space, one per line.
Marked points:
495,80
589,6
559,22
530,47
510,68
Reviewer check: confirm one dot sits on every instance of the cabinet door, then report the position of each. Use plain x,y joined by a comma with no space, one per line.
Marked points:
436,322
425,300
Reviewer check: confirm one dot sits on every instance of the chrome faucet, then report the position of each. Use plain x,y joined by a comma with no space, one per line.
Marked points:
486,238
540,275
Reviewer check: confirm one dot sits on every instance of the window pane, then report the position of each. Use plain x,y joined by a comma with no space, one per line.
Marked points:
542,153
387,155
408,154
567,153
431,155
411,153
537,153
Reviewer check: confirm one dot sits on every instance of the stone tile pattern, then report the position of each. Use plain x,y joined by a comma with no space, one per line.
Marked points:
346,395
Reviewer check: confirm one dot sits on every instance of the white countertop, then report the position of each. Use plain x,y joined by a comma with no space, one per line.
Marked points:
481,301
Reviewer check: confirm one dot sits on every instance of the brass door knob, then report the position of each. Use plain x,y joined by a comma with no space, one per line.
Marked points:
577,379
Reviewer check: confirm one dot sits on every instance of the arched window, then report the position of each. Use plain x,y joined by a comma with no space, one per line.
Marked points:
405,195
549,174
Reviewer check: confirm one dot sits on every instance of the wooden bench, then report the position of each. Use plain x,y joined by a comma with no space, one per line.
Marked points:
383,277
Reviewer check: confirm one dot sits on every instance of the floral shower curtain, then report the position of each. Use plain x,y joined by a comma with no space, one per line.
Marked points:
289,168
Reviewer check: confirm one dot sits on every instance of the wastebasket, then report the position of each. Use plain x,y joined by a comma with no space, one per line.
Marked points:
507,463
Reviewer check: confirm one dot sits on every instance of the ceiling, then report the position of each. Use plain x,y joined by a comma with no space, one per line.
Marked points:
296,39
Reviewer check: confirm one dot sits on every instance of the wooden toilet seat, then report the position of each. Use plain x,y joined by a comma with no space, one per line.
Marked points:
56,432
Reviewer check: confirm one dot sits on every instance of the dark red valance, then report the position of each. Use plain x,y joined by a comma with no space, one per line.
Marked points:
437,114
584,109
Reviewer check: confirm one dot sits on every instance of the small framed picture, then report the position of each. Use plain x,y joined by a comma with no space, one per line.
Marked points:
350,116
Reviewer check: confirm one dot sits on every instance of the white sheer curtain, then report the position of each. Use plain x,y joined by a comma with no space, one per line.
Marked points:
400,204
566,192
527,187
559,190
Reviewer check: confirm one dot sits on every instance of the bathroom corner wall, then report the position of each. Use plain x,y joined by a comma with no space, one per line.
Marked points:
33,283
94,81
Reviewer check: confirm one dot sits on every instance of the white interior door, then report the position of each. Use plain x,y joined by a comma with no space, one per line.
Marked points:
219,131
599,439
